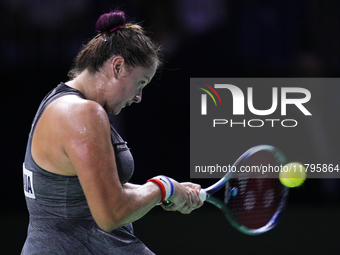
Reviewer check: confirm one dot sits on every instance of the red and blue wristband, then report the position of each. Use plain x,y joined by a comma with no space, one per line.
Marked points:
166,186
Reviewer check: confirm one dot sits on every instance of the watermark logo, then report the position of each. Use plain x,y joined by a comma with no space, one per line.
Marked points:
277,100
204,98
231,114
239,99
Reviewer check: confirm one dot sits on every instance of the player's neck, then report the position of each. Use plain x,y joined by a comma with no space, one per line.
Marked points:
87,84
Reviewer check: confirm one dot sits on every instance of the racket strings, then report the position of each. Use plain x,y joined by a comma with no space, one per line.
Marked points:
257,199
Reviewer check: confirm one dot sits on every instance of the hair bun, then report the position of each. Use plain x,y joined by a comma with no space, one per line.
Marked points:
110,20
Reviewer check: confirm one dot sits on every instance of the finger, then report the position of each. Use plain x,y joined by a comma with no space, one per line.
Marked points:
188,209
192,197
170,208
174,206
197,202
195,196
198,189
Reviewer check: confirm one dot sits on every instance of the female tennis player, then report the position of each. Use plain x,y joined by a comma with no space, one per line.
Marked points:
77,167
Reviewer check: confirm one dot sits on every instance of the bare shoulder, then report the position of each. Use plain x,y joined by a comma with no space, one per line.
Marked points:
81,122
71,117
68,124
74,106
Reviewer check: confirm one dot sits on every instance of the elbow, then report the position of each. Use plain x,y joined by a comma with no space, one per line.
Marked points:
109,224
106,227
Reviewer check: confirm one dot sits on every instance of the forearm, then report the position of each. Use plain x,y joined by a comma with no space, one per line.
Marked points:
129,185
135,202
130,203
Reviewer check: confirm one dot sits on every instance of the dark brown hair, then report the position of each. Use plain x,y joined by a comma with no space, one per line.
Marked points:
116,38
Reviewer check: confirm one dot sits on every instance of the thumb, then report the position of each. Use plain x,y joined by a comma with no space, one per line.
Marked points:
197,189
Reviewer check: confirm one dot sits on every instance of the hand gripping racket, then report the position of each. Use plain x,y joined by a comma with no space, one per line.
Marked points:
253,203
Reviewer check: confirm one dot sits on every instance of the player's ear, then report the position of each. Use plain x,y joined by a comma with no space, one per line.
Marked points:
117,65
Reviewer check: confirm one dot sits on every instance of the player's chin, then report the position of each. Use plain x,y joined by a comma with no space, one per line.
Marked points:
116,110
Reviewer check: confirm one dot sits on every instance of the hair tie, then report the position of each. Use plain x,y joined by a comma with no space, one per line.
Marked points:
113,29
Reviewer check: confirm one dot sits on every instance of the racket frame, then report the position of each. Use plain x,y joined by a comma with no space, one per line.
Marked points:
206,193
218,185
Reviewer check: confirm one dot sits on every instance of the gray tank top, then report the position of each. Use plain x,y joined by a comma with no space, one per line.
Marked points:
60,219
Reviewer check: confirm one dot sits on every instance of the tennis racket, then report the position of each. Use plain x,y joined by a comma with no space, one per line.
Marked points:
252,205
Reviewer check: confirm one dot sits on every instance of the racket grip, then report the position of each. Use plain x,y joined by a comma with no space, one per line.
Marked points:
203,196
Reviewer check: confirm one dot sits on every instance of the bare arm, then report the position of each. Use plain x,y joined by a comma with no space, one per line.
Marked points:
129,185
89,149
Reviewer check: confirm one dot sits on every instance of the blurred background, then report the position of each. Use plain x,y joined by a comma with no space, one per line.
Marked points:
214,38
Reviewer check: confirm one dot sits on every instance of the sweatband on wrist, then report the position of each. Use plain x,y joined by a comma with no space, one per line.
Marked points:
166,186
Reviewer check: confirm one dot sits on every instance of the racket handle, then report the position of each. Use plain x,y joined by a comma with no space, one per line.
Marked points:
203,196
